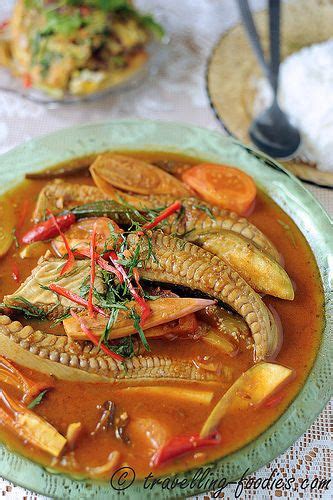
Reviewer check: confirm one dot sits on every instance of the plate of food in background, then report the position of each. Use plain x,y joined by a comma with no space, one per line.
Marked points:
166,305
64,52
238,91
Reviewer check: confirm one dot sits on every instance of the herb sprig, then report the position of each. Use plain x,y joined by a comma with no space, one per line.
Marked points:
38,399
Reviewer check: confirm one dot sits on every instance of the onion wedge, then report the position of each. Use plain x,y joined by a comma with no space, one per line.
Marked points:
163,311
221,342
252,388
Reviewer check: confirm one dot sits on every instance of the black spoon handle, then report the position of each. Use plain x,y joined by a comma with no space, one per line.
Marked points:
253,34
274,38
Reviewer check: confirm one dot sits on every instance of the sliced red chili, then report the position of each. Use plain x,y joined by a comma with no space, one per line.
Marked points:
101,262
174,207
145,308
74,298
94,339
70,259
179,445
47,229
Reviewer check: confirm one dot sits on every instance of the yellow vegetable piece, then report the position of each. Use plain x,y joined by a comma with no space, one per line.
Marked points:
41,434
251,388
221,343
185,394
29,426
74,431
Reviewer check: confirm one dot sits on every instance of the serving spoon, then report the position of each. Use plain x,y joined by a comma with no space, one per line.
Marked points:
271,131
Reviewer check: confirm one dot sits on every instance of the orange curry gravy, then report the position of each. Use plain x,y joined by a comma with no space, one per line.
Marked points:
302,321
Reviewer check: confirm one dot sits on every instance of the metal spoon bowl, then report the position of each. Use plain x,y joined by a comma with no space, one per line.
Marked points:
273,134
271,131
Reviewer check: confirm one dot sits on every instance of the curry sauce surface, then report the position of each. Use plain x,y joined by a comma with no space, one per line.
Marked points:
302,322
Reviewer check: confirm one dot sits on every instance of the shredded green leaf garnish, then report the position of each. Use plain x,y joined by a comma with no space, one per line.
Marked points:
125,347
206,210
136,321
84,288
38,399
70,273
31,311
62,318
111,321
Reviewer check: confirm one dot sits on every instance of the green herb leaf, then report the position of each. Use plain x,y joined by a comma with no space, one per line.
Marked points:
136,322
38,399
206,210
63,24
111,321
30,310
149,23
125,347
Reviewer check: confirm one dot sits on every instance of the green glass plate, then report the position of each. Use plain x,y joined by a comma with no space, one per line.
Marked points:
287,192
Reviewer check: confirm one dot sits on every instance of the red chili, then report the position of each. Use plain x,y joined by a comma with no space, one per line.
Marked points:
47,229
70,259
74,298
163,215
92,270
145,308
179,445
15,272
100,261
94,339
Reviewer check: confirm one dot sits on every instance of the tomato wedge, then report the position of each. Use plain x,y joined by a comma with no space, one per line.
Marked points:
221,185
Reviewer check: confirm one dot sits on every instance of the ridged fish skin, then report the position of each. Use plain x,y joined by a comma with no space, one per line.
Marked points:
82,361
172,261
47,272
198,216
182,263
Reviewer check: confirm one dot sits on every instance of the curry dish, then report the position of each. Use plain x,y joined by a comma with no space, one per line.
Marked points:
157,311
77,48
